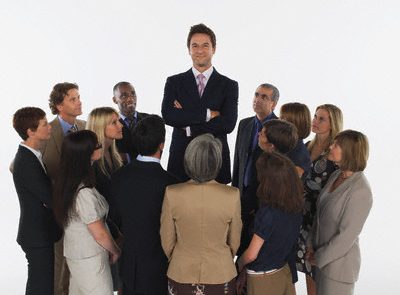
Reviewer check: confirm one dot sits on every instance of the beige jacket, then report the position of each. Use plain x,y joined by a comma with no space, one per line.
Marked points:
200,231
51,151
340,217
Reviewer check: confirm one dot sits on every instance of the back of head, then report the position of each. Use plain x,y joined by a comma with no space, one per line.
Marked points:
58,93
149,134
75,169
282,134
355,150
27,118
201,29
203,158
280,186
298,114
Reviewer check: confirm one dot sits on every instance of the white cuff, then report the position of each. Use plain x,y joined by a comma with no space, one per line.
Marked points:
208,117
188,131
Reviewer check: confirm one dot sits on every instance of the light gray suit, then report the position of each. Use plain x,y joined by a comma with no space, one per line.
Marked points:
340,217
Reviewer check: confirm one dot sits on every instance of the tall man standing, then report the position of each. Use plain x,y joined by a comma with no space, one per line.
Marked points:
247,152
200,101
65,102
125,98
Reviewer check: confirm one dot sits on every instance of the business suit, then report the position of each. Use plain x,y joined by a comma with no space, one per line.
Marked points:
200,232
220,94
340,217
37,230
126,145
137,191
51,158
52,149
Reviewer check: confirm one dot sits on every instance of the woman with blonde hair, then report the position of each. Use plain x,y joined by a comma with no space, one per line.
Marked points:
342,208
104,121
326,124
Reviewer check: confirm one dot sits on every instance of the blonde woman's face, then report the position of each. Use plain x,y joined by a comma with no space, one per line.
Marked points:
114,128
321,123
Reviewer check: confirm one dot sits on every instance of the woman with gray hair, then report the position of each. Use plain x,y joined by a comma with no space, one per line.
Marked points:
201,224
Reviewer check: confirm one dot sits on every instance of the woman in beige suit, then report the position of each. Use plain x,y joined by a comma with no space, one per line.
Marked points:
342,209
201,224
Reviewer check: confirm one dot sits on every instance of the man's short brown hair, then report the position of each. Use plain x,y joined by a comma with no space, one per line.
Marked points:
27,118
58,93
201,29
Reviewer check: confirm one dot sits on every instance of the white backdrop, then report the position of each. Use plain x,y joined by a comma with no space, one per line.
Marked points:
340,52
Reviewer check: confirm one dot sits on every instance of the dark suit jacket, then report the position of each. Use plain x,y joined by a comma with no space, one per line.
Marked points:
220,94
137,191
37,227
126,145
243,144
52,149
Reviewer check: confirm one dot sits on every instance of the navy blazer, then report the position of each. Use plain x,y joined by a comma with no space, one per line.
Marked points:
137,194
37,226
220,94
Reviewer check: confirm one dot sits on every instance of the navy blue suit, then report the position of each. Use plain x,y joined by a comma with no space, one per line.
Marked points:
220,94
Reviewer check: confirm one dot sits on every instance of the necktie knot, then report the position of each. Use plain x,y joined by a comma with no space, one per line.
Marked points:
73,128
200,84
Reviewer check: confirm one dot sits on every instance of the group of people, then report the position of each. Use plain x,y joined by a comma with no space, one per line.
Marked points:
100,214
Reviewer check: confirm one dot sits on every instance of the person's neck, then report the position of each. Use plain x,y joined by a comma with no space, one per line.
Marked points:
129,115
34,144
157,155
69,119
322,140
202,69
107,144
346,174
262,116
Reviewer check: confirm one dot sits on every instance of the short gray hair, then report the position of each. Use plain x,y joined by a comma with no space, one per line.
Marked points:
203,158
275,91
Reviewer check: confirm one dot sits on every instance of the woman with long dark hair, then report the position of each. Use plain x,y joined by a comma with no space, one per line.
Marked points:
276,227
81,210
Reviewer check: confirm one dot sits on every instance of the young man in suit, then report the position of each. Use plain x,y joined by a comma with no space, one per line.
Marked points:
125,98
65,102
200,101
37,231
247,152
137,191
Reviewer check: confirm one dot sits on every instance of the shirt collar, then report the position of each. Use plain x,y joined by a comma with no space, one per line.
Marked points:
123,117
207,73
64,125
147,159
37,153
269,117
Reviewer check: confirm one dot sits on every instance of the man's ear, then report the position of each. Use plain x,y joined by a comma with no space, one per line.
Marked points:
114,100
161,146
30,132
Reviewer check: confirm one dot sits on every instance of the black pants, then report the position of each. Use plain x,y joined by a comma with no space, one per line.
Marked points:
40,270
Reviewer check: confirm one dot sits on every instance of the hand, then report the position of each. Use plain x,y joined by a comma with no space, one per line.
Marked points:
113,256
214,114
177,105
310,256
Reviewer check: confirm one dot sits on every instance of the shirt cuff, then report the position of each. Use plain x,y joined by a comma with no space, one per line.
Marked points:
188,131
208,117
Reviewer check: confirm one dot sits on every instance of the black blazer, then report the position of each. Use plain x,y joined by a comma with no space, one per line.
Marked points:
126,145
37,226
243,144
220,94
137,191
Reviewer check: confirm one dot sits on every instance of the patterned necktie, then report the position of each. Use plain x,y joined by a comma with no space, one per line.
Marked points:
73,128
200,86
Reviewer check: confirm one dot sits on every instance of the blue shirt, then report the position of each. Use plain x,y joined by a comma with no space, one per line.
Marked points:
280,231
64,125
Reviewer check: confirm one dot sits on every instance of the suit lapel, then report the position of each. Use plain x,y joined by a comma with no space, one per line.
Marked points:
190,84
58,134
212,82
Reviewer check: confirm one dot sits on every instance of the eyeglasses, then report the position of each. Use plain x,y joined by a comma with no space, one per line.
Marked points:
125,96
98,146
262,96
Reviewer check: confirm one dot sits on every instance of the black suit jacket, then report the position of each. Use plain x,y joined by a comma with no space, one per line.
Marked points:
137,191
37,226
126,144
220,94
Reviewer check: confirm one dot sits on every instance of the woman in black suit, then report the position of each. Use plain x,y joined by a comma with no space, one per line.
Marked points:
37,231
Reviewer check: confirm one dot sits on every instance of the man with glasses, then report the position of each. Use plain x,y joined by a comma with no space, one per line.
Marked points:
247,152
125,98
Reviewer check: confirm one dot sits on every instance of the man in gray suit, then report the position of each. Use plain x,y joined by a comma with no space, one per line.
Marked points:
247,151
65,102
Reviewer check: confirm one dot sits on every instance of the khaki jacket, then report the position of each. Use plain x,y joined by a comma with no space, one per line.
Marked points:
51,151
200,231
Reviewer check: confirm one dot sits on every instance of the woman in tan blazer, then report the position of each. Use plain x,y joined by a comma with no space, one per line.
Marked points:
342,209
201,224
